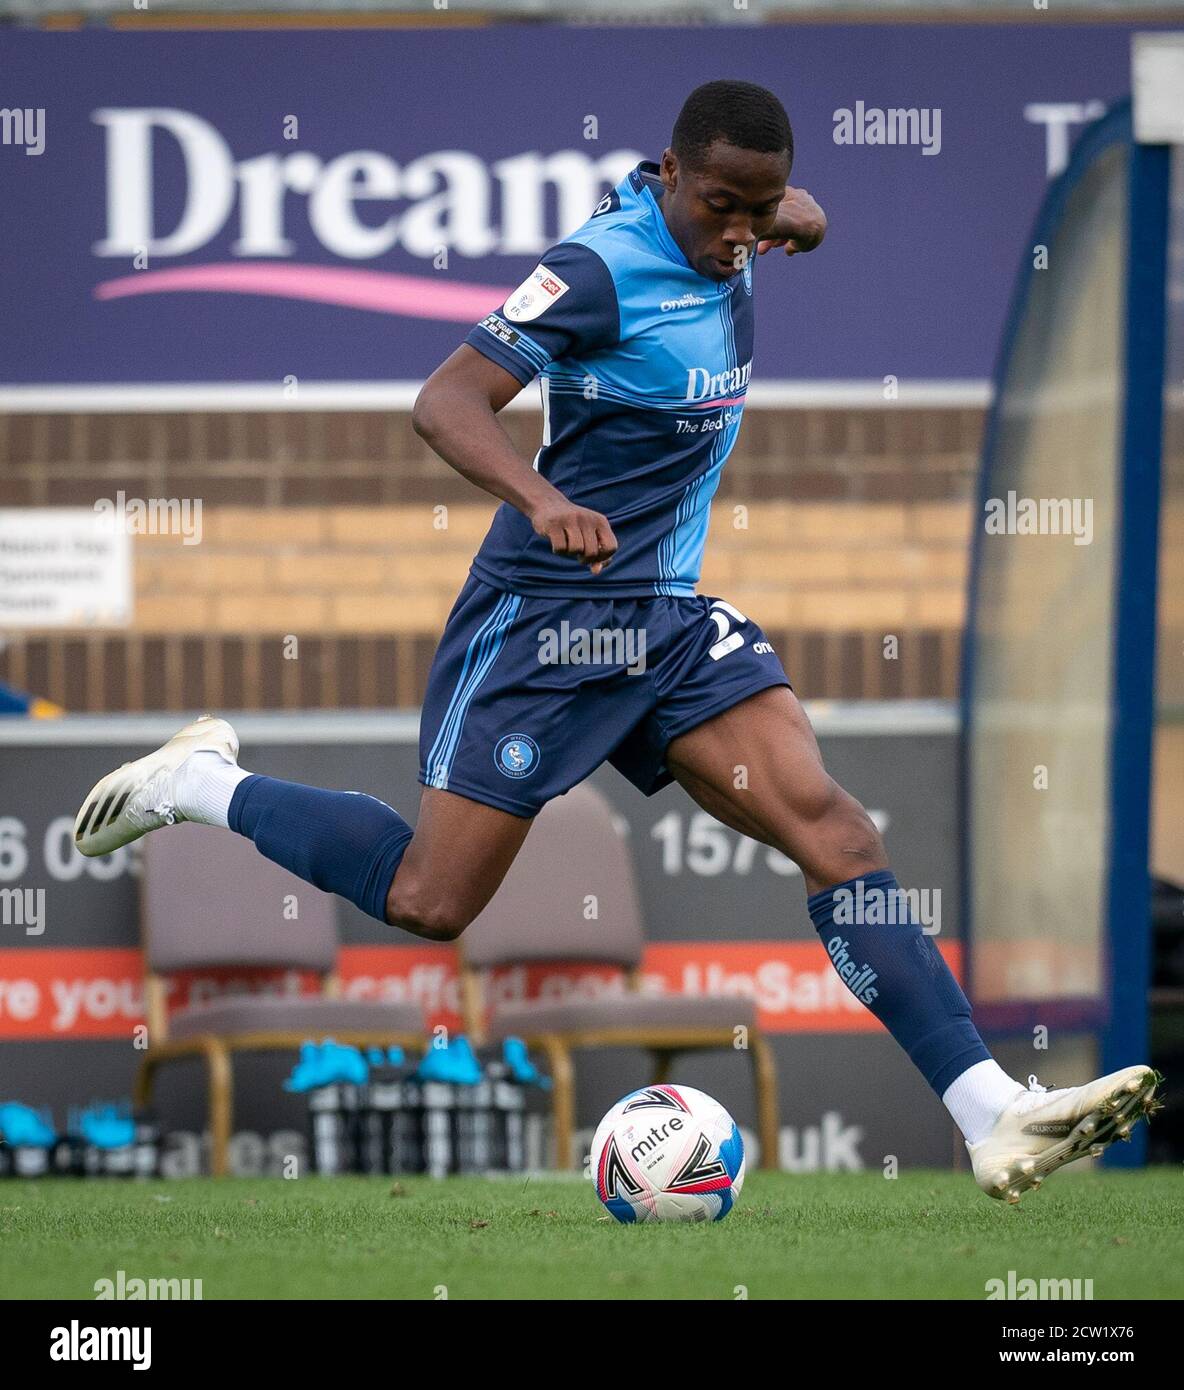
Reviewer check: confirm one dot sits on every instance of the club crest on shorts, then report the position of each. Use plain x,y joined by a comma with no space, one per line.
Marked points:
516,755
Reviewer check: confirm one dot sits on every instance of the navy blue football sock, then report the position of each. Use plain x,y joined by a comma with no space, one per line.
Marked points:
889,964
343,842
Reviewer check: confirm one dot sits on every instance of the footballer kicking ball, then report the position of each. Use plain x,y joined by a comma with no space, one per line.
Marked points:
668,1153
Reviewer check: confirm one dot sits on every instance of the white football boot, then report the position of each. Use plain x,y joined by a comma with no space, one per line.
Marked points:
139,796
1042,1130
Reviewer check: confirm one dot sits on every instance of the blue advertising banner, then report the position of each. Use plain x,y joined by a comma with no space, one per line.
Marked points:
341,207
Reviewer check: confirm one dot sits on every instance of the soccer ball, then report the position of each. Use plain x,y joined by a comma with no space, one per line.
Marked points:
668,1153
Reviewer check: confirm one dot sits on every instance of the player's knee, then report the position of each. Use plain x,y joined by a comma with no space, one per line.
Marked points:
853,831
424,913
864,837
432,922
818,799
837,839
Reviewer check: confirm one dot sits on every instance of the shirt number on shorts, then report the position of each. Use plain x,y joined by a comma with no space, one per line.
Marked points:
723,615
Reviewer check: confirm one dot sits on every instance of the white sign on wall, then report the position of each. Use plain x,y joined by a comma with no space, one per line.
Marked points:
63,567
1157,88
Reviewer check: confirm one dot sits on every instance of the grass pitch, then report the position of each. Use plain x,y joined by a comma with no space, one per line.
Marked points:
922,1235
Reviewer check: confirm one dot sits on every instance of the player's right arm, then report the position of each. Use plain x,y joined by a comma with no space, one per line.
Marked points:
456,413
565,310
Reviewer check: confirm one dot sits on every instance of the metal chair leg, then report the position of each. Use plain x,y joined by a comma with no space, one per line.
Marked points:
563,1105
221,1084
765,1077
219,1081
663,1060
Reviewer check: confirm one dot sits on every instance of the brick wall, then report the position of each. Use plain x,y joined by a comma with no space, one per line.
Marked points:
834,528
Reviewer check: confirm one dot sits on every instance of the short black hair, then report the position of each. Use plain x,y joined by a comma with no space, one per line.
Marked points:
740,113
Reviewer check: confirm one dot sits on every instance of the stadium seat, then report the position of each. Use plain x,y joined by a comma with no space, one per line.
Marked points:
210,901
573,854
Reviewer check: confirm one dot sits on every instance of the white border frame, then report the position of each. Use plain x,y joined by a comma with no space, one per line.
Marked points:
400,395
831,718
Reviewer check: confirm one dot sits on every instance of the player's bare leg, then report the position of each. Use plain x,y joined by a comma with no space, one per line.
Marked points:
790,801
431,881
1015,1136
457,858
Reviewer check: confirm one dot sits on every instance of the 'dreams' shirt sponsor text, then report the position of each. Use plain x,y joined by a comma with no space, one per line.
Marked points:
644,368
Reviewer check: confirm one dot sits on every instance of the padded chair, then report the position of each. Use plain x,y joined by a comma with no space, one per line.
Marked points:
209,899
538,915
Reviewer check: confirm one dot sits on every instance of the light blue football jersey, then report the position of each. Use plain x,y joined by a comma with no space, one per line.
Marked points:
644,368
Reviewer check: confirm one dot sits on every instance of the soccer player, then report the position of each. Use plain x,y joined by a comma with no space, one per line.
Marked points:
641,326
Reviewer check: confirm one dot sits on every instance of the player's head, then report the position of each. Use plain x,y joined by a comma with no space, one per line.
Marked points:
725,173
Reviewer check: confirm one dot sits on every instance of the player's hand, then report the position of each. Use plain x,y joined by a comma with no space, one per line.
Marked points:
575,531
800,224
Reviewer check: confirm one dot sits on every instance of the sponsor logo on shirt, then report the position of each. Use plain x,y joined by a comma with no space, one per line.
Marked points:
686,301
536,293
703,385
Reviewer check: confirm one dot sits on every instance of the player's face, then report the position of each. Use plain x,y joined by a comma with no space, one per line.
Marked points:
719,209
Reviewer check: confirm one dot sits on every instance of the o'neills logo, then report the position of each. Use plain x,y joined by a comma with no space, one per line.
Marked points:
858,978
684,301
702,385
357,205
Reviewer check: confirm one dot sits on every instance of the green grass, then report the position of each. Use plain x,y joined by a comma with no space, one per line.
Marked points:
922,1235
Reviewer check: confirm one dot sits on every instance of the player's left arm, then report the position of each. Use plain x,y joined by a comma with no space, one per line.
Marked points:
800,224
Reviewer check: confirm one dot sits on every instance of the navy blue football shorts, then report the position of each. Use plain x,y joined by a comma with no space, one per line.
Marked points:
528,695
